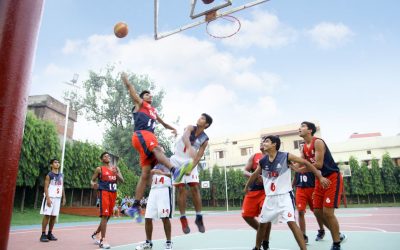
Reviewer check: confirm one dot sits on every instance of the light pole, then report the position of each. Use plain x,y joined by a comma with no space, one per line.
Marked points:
72,83
226,182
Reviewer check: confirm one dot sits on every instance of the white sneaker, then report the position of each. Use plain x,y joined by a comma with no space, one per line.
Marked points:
144,245
168,245
104,244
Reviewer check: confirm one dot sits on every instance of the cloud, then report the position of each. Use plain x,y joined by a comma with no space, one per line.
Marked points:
330,35
263,30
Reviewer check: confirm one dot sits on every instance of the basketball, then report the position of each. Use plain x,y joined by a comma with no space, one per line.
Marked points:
208,1
121,30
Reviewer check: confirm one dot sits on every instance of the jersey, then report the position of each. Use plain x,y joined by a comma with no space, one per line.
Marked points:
329,166
276,174
256,158
107,180
161,181
305,180
145,118
55,185
197,141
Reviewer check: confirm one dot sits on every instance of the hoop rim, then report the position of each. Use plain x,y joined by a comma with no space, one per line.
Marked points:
228,18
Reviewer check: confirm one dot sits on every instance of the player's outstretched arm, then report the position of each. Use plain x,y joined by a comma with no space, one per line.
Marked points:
166,125
324,182
252,178
132,91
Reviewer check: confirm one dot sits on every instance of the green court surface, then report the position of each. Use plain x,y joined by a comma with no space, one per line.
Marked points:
280,240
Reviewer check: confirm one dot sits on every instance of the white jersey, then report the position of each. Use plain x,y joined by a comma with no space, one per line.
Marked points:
55,185
161,181
276,174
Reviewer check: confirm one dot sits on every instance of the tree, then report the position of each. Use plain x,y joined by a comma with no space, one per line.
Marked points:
367,186
40,144
356,178
107,102
388,176
377,179
217,185
130,180
204,175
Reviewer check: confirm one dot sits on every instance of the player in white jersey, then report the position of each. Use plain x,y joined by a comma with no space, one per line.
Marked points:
53,191
279,202
159,205
197,139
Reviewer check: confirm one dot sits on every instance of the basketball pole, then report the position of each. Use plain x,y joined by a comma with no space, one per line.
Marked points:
19,27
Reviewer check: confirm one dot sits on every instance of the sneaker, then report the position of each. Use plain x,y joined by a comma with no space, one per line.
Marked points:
134,212
96,237
306,239
199,223
343,237
180,172
185,225
50,236
265,245
334,247
168,245
320,235
145,245
43,238
104,244
255,248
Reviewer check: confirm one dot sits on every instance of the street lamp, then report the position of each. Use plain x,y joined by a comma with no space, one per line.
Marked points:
72,83
226,182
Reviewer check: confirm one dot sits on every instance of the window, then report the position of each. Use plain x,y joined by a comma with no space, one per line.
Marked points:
246,151
219,154
234,142
368,152
298,143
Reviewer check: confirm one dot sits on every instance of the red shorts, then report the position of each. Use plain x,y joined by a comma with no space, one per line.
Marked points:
252,203
107,202
144,142
304,196
329,197
190,184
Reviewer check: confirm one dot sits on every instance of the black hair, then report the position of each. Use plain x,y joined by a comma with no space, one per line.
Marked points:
143,93
102,154
311,126
209,119
53,160
274,139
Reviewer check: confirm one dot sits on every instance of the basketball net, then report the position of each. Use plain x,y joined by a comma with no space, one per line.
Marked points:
224,26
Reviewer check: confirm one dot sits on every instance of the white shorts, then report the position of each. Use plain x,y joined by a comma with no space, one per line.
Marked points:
194,175
54,209
159,203
278,208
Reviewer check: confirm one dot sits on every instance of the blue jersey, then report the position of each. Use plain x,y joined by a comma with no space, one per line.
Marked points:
305,180
329,165
198,141
276,174
145,118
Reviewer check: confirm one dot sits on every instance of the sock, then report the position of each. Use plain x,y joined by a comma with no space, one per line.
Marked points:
199,216
136,203
183,215
336,244
168,241
43,232
149,241
49,232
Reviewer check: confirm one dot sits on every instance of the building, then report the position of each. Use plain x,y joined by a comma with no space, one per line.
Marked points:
234,151
48,108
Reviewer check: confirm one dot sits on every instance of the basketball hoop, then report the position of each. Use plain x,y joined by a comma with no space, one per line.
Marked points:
230,20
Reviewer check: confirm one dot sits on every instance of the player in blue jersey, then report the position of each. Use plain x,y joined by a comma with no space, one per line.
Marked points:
279,202
198,140
145,142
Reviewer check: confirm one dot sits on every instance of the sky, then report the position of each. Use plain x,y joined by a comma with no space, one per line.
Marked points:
335,62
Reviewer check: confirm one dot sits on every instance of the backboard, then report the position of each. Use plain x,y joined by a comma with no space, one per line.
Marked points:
174,16
345,170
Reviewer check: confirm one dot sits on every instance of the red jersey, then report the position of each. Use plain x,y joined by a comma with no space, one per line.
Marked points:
256,158
145,118
329,166
107,180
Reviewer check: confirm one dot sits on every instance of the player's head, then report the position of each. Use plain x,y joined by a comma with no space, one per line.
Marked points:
146,96
307,128
262,146
105,157
205,120
271,142
54,163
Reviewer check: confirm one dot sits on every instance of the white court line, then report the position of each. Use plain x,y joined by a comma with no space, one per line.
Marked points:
373,228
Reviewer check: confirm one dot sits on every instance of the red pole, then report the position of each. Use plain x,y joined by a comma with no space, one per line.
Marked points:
19,26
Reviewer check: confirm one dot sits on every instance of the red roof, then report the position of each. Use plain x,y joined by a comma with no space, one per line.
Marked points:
356,135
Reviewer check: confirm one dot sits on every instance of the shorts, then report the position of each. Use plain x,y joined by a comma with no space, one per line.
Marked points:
304,196
329,197
159,203
107,202
144,142
54,209
191,180
279,208
252,203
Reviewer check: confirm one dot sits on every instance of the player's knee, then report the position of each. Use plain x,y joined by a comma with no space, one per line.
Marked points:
328,213
302,213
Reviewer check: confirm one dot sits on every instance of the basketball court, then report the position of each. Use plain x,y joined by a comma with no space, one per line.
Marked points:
366,228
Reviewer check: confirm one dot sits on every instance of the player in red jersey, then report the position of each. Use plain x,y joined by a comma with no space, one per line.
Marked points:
254,198
107,177
325,200
145,142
